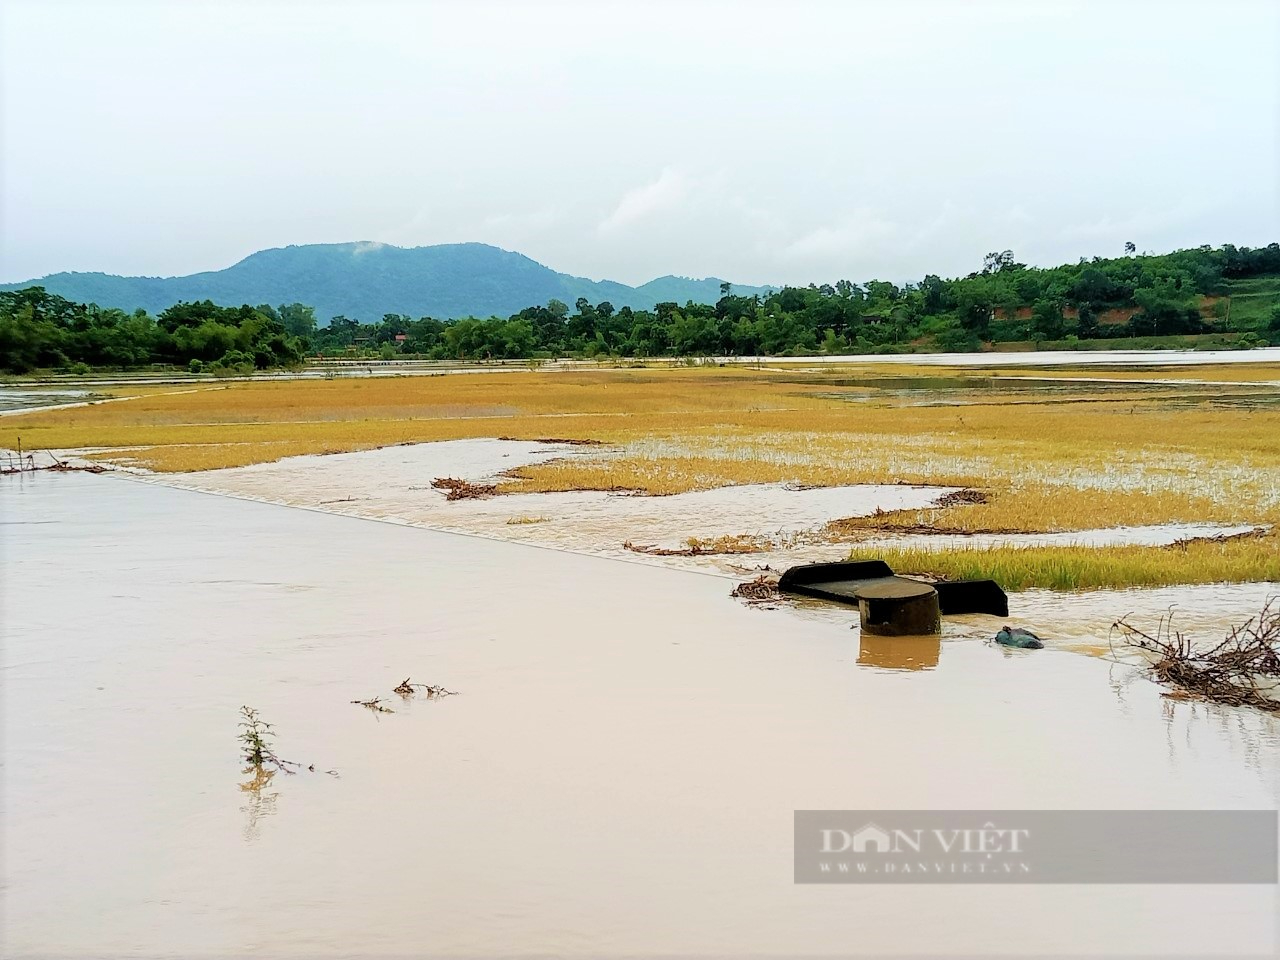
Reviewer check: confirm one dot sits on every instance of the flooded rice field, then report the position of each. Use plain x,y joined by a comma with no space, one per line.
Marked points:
1043,358
616,776
394,484
21,400
959,391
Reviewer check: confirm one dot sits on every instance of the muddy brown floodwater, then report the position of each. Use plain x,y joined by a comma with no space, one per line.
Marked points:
616,775
394,484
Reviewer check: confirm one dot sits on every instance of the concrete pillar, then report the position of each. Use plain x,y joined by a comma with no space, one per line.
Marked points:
898,607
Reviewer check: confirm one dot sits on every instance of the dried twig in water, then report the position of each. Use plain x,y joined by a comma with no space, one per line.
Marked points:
407,689
1254,534
905,521
463,489
569,441
26,463
741,543
1243,670
763,589
959,497
374,704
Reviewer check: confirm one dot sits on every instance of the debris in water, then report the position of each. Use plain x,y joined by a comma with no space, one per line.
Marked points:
374,704
1018,637
959,497
26,463
739,543
763,589
463,489
562,440
407,689
1254,534
1242,670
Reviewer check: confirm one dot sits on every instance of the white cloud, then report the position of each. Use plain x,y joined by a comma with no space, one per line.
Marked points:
604,143
1140,223
671,187
851,238
532,220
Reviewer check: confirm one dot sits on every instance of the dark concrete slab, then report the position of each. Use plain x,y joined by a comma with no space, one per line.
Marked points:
843,582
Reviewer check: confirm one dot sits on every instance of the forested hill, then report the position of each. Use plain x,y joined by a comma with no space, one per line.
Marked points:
365,281
1228,296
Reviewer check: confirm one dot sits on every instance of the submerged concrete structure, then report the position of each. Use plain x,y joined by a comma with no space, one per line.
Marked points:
873,583
896,606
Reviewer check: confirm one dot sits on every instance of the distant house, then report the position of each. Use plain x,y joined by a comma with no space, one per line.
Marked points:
401,337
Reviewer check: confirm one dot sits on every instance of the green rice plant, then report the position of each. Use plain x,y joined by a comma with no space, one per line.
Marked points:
1241,560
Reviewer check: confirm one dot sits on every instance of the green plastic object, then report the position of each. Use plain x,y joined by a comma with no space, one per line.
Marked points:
1017,637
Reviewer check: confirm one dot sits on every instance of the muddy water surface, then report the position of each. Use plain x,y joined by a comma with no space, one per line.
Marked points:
394,484
23,400
617,774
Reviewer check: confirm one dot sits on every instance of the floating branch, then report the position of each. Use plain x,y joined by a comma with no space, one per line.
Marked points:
375,705
407,689
763,589
26,463
463,489
1243,670
695,547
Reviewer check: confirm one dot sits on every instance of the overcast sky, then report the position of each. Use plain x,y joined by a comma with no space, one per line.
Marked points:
759,142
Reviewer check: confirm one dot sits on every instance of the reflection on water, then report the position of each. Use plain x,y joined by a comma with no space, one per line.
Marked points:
898,653
259,800
616,777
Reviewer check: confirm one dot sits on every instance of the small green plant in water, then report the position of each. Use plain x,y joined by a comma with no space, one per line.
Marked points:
256,738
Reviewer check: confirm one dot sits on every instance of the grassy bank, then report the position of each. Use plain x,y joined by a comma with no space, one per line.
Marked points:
1196,341
1246,560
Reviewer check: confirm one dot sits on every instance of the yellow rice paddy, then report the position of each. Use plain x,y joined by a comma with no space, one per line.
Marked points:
1083,459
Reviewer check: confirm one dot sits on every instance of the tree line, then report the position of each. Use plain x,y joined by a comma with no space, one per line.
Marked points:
40,330
1004,301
